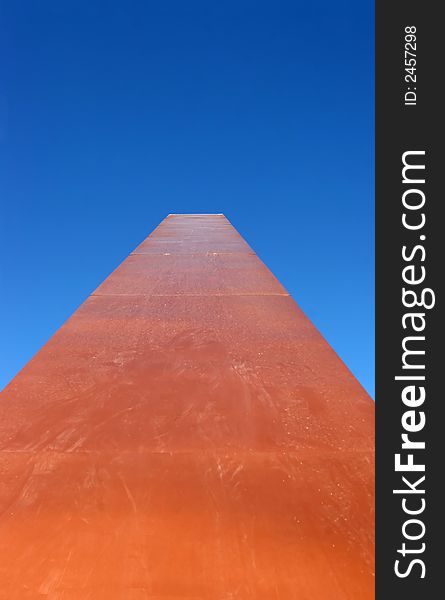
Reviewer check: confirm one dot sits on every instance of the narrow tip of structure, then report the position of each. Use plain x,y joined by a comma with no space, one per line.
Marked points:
195,215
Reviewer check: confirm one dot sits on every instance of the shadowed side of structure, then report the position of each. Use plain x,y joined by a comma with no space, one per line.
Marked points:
187,434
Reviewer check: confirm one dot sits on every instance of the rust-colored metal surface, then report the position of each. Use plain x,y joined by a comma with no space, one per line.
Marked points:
187,435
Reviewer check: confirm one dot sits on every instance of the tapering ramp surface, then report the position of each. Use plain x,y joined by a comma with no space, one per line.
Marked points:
187,435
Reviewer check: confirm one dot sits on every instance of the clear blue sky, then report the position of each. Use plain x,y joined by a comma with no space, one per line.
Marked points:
113,114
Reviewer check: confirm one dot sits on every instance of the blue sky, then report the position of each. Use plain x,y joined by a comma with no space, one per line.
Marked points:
114,114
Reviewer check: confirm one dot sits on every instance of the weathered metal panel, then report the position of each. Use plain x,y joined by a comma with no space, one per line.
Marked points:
187,434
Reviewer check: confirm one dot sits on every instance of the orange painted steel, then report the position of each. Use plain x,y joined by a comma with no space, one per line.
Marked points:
187,435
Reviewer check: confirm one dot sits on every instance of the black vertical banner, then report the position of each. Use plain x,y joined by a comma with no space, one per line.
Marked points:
410,257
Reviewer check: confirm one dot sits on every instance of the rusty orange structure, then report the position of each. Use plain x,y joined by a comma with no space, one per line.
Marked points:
187,435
